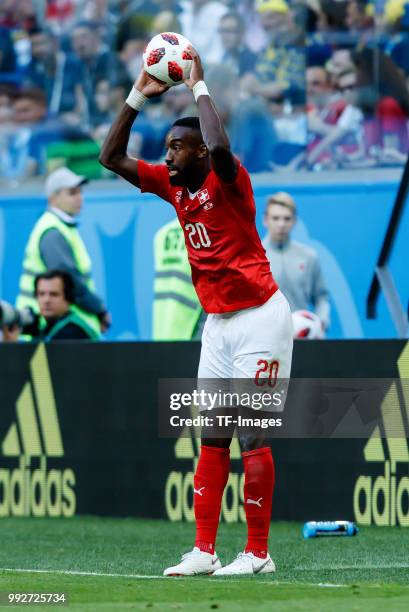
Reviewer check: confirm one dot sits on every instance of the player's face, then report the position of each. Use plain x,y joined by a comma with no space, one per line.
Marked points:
51,299
184,149
279,220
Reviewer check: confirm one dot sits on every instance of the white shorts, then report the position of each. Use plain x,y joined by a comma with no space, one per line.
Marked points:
255,343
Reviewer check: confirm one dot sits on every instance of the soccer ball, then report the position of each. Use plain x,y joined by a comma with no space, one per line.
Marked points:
307,325
166,58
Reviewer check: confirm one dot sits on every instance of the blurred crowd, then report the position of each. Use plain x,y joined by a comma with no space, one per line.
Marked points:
301,84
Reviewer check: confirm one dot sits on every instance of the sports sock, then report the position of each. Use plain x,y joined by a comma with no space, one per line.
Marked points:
258,498
211,476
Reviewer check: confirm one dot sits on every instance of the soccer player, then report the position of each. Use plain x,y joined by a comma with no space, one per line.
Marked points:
249,328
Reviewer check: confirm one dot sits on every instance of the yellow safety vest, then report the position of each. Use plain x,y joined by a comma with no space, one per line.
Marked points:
34,265
176,307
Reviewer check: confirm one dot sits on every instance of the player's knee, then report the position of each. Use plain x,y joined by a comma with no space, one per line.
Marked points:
251,441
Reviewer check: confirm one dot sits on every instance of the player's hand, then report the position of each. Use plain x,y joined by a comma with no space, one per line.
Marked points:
197,72
149,86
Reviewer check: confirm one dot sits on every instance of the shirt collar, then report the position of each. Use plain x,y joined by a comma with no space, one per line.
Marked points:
279,246
69,219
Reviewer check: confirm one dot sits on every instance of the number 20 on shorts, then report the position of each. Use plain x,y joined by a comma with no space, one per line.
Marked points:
270,371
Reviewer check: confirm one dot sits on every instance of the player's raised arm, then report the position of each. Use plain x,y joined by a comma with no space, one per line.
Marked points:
214,135
114,155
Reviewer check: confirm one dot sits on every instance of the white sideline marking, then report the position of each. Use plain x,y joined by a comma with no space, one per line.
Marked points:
75,573
319,568
148,577
271,582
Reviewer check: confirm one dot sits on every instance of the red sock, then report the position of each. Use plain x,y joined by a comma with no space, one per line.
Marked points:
258,498
211,476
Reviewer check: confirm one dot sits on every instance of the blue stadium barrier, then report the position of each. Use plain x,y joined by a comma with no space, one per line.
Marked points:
345,223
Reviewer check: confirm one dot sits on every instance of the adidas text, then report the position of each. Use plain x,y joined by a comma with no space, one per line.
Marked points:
25,491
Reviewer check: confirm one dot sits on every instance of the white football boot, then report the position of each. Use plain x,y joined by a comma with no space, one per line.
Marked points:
195,563
247,564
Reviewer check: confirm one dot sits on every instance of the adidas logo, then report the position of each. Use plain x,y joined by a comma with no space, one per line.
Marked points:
31,489
179,484
384,500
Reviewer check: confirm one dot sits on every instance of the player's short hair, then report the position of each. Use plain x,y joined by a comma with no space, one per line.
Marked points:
283,199
190,122
66,279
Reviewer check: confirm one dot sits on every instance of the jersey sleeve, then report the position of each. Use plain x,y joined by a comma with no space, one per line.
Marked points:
154,178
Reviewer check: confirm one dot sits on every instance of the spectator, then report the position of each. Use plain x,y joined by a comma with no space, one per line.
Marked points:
295,266
255,37
396,19
131,40
178,103
200,20
7,53
359,15
55,72
60,15
318,86
34,133
235,53
335,125
279,71
165,21
56,319
25,146
95,10
340,62
7,129
19,16
103,104
384,99
87,46
55,243
7,95
247,120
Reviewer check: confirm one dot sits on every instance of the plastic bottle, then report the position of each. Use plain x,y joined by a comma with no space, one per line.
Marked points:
314,529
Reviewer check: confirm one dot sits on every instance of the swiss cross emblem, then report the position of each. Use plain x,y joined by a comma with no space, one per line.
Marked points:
178,196
203,196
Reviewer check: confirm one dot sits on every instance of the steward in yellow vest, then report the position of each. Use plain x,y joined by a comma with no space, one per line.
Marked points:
177,313
55,243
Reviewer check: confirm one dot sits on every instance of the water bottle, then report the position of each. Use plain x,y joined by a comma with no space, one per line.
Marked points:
314,529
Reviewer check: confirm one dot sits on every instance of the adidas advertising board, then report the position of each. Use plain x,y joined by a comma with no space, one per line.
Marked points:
381,497
36,485
79,435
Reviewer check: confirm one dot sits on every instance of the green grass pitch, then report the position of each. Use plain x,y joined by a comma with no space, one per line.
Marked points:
116,564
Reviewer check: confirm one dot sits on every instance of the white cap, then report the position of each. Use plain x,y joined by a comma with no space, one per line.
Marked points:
63,178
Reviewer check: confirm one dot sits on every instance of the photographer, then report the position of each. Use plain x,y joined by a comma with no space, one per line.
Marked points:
54,292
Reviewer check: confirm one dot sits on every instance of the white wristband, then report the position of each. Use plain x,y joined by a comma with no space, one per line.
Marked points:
200,89
136,99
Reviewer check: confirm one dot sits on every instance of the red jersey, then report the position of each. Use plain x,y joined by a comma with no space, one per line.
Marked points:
230,270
